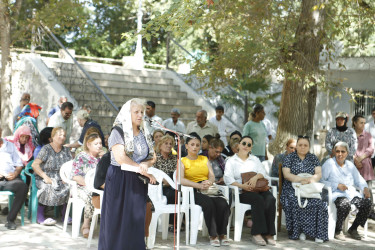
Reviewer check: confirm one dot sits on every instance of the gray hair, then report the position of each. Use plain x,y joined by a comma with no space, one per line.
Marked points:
203,111
138,102
83,115
342,144
175,110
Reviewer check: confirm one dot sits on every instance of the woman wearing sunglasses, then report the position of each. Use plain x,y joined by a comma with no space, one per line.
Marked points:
263,209
313,219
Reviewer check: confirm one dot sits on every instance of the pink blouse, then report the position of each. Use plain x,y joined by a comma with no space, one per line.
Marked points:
365,147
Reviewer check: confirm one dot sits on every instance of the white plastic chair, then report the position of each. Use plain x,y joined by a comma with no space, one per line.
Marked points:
197,220
161,207
89,180
268,168
78,204
332,217
241,208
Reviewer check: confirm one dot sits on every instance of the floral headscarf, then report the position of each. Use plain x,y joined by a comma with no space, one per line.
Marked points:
29,146
125,120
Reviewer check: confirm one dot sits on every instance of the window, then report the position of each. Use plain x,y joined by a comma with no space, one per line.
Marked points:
364,103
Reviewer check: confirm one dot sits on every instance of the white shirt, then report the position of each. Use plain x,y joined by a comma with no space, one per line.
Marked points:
370,127
267,123
224,128
57,120
155,125
179,126
235,166
9,158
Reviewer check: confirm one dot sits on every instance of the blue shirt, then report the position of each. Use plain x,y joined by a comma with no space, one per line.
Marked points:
333,175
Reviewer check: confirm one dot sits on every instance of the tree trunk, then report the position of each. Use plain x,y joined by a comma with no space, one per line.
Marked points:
298,103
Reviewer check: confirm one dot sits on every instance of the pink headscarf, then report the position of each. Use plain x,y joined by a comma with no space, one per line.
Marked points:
29,146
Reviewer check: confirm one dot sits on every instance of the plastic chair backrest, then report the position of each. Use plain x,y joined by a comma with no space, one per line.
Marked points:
89,181
65,173
267,166
155,192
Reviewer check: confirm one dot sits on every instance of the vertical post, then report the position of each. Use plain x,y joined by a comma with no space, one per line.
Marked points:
168,51
33,35
246,112
139,58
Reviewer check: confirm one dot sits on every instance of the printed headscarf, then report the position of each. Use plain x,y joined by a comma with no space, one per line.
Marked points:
29,146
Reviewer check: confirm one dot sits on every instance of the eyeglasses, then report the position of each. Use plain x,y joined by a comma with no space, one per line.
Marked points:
340,151
303,137
248,144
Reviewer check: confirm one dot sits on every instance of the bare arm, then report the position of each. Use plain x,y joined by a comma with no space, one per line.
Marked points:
40,172
291,177
120,156
73,145
211,175
317,176
79,179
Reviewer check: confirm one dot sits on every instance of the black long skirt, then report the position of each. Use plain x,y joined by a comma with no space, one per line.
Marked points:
122,224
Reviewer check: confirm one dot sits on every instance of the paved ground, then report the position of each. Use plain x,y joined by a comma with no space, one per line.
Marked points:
35,236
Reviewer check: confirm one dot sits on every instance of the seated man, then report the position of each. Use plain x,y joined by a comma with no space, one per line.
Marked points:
342,176
10,169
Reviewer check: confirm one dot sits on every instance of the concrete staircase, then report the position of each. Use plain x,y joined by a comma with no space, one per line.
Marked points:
120,85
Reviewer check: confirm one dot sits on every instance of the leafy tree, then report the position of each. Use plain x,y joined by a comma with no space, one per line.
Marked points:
16,21
257,38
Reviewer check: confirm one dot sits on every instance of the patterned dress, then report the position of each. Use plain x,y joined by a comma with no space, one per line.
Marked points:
311,220
57,193
83,163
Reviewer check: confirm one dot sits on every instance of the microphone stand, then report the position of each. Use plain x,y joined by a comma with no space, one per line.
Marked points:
177,137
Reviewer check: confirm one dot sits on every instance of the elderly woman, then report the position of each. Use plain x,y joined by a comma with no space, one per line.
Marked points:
341,133
86,123
313,219
122,223
257,130
52,191
365,149
290,147
84,162
263,209
197,172
342,176
22,140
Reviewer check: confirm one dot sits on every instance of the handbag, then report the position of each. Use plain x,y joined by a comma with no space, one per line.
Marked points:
311,190
261,185
213,190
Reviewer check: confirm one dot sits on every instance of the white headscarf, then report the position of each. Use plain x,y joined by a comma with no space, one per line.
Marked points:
124,118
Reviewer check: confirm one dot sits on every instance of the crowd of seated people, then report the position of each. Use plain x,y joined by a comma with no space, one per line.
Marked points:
206,162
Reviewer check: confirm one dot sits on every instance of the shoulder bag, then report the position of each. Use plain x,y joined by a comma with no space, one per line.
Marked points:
262,183
311,190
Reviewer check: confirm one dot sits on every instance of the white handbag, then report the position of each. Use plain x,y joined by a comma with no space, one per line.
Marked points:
311,190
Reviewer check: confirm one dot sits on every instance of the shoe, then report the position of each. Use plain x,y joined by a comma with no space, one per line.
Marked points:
340,236
224,241
354,234
318,240
11,225
48,222
270,241
372,215
85,232
302,236
259,242
215,242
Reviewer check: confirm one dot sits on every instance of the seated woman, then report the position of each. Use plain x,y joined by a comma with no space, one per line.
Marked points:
86,123
313,219
22,140
52,191
156,136
92,130
228,150
84,162
205,142
290,147
197,172
215,147
44,139
263,209
342,176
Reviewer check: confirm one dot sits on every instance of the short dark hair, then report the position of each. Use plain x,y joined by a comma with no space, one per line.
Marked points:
151,104
44,136
220,108
373,109
68,105
235,133
216,143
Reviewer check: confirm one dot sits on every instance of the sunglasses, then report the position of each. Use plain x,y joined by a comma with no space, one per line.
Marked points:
304,137
248,144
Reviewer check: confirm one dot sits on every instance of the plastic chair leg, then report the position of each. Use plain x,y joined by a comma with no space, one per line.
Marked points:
152,231
92,227
238,222
67,215
76,222
164,226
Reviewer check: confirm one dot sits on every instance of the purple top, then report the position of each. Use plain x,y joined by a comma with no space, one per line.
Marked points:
365,147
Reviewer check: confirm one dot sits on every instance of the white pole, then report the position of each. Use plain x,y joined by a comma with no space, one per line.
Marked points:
138,50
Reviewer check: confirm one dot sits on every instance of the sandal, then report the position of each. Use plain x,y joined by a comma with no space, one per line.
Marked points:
259,242
85,231
48,222
224,241
215,242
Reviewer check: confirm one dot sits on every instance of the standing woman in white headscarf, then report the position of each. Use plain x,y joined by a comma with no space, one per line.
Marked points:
122,223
